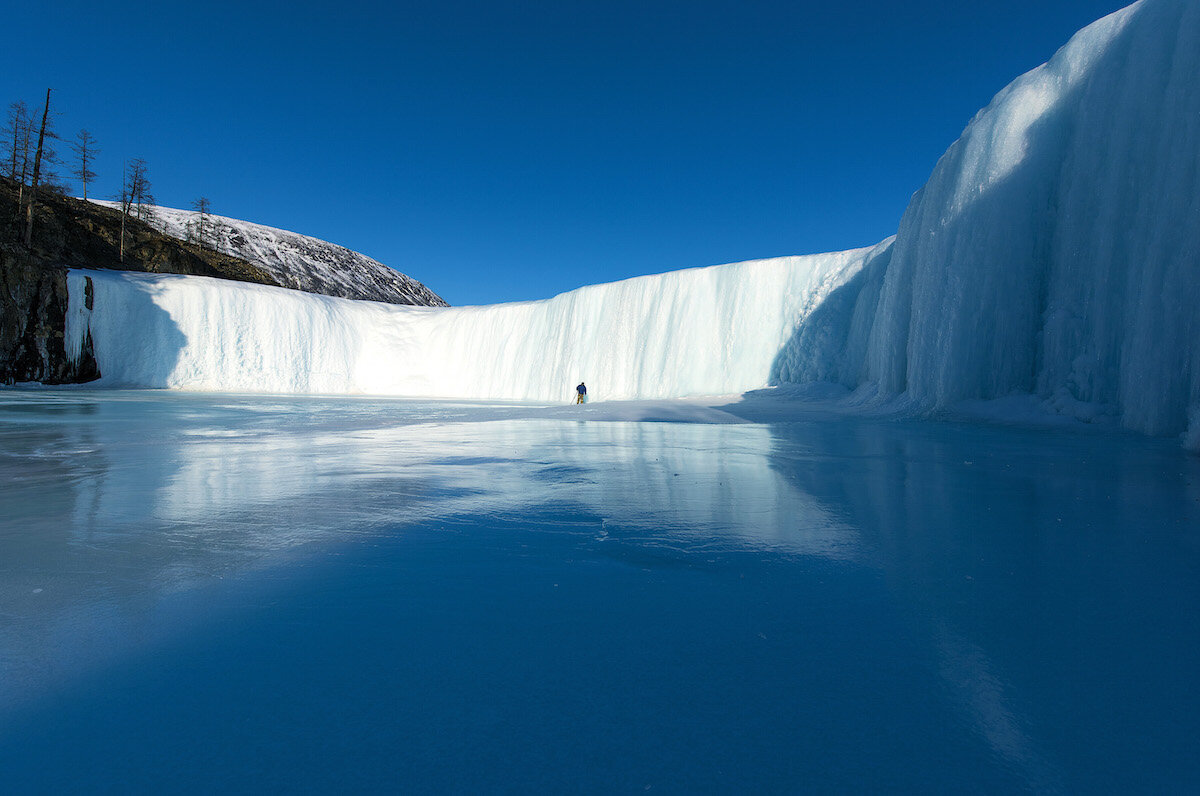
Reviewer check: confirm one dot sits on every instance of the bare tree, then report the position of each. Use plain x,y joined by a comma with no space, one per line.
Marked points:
202,224
126,202
16,133
26,143
18,139
135,197
85,152
37,169
141,201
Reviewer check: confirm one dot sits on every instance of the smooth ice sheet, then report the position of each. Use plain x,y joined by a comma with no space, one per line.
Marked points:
221,592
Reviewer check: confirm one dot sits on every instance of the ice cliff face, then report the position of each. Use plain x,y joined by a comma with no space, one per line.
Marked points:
1054,252
1055,249
298,261
699,331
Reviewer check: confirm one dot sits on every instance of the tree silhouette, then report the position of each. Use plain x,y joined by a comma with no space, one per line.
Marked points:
37,170
135,196
141,201
85,151
202,224
16,138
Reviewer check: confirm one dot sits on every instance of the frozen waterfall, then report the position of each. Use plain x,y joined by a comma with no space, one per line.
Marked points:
1054,252
700,331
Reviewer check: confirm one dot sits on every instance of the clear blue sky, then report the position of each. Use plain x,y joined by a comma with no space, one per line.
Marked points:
513,150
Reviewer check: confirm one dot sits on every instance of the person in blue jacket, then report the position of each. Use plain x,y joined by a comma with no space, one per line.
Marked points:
582,396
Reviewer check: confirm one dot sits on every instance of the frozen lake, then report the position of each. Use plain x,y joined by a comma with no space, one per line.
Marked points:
260,593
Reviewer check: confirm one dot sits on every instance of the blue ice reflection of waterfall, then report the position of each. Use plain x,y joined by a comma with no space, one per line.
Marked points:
220,592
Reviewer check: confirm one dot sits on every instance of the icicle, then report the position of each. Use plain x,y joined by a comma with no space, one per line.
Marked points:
79,314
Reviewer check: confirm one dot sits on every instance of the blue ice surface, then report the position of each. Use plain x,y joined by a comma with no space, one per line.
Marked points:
232,593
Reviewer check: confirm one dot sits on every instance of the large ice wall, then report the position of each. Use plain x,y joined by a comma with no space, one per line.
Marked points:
699,331
1054,252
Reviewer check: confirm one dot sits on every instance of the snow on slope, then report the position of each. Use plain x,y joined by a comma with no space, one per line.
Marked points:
699,331
1054,252
300,262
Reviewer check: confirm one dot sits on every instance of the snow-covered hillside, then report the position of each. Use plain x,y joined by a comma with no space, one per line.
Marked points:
1054,252
298,261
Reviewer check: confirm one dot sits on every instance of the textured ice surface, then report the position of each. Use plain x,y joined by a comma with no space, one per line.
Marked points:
1055,249
1054,253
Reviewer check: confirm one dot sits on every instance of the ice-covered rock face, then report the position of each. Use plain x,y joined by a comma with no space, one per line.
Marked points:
1055,249
298,261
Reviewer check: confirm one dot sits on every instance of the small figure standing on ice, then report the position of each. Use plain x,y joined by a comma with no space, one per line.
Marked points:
581,398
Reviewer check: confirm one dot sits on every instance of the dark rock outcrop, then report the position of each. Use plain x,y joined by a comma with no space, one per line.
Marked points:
81,234
33,311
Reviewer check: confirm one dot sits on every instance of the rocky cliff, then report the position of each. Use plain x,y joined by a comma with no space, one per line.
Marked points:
71,233
33,305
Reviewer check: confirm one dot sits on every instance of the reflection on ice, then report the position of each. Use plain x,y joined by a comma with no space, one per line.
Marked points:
244,477
982,696
157,492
